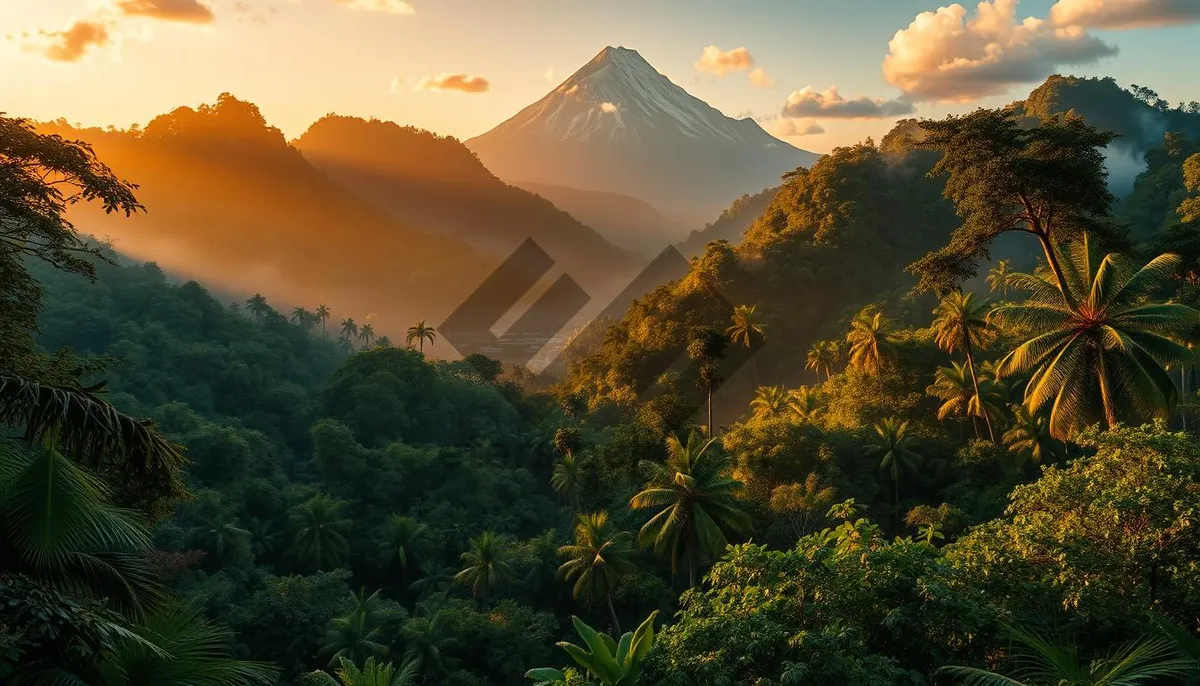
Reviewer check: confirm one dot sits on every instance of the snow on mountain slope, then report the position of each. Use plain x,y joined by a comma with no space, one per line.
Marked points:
618,125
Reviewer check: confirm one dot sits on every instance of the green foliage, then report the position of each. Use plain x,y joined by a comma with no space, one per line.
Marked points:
611,662
372,674
1095,343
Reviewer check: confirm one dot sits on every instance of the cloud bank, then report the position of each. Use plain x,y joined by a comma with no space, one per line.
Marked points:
70,44
830,104
947,55
464,83
1124,14
760,79
786,127
188,11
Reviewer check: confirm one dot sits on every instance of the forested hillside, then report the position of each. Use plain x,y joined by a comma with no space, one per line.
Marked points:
851,447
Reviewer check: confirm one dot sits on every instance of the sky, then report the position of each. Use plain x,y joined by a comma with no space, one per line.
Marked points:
819,74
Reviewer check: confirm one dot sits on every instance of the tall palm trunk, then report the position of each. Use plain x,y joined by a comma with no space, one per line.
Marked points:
710,412
975,383
612,612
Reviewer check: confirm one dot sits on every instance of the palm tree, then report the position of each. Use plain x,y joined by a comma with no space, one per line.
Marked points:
383,342
805,403
351,636
695,502
366,334
769,401
1097,352
428,638
406,541
1030,437
566,479
997,278
960,322
746,328
58,528
598,559
349,329
323,316
895,452
302,317
94,434
218,533
1038,662
822,356
258,307
177,646
420,333
707,349
319,532
486,566
372,674
960,395
870,349
264,537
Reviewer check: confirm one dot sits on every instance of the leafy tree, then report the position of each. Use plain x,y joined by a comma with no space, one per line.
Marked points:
1037,661
695,502
895,451
1097,349
596,561
870,348
372,674
319,532
428,639
769,401
567,441
960,323
420,333
1189,209
485,566
1048,180
611,662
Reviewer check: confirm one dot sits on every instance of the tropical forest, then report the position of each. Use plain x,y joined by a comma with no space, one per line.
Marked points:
924,411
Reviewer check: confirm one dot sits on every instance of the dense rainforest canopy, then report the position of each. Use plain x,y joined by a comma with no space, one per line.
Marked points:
793,466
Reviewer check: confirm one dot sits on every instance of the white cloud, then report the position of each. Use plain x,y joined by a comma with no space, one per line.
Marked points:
760,78
808,102
386,6
788,127
948,56
454,82
718,62
608,107
1124,14
396,87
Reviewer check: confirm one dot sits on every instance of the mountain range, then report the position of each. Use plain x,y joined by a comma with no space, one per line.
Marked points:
618,125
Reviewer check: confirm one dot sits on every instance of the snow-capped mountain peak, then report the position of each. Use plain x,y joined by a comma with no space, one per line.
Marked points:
617,123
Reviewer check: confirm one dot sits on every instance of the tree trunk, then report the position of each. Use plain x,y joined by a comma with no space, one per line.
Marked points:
1110,412
1052,262
987,420
612,613
691,570
710,412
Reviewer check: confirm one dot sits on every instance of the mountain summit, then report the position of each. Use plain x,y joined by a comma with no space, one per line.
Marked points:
618,125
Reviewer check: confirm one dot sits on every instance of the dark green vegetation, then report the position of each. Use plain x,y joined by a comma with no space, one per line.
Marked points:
993,478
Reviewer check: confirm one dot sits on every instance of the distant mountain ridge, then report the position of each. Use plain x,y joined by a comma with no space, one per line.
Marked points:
436,183
618,125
